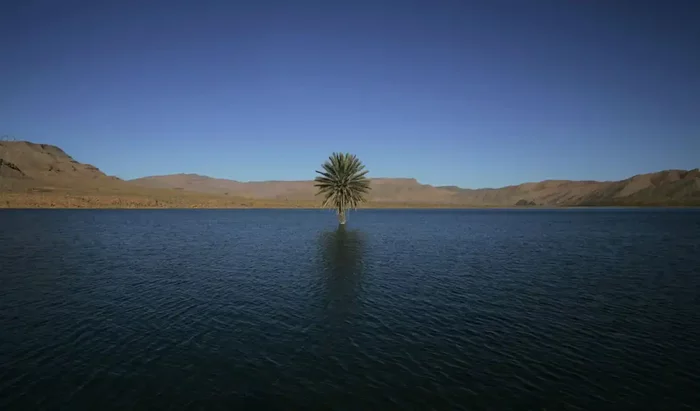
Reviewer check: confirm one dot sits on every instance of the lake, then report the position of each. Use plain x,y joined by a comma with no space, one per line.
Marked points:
404,309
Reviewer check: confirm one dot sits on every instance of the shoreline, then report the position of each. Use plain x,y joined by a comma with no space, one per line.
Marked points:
55,201
370,207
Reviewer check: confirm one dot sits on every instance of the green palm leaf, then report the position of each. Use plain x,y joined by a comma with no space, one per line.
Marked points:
343,183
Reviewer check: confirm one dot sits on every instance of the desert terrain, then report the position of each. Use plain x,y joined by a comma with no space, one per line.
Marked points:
44,176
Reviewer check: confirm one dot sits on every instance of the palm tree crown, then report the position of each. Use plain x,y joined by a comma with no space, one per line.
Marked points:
343,183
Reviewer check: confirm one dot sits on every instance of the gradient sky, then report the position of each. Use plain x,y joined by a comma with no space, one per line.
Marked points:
469,93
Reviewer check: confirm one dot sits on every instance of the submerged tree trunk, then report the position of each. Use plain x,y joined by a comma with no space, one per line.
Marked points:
341,216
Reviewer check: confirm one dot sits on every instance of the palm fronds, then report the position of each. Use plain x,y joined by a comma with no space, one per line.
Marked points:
343,183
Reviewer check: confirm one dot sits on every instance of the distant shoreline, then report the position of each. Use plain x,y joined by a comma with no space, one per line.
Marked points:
365,208
109,201
10,206
44,176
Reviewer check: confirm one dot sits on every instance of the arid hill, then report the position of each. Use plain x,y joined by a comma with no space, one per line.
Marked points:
383,189
25,165
671,187
41,175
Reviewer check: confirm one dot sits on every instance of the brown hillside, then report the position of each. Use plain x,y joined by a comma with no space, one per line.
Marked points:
670,187
37,175
25,165
673,187
44,161
383,189
41,175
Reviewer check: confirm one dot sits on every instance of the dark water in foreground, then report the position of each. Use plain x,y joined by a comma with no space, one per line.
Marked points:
494,309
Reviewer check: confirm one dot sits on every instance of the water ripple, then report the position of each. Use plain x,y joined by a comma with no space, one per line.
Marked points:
565,310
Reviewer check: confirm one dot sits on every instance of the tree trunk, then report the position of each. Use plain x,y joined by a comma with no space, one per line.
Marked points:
341,216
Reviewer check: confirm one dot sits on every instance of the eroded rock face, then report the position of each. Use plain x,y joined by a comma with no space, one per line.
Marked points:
44,160
10,170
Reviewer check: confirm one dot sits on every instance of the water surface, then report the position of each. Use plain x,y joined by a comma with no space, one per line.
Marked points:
412,309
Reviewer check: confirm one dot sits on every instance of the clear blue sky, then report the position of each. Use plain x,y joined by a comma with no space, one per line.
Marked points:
468,93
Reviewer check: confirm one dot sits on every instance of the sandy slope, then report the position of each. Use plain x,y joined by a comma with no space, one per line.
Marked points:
40,175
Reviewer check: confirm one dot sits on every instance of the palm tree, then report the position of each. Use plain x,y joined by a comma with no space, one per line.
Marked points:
343,183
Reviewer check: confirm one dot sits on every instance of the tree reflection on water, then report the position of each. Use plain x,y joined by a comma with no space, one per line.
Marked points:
341,254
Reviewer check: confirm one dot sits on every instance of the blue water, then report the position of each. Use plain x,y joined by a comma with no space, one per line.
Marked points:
414,309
